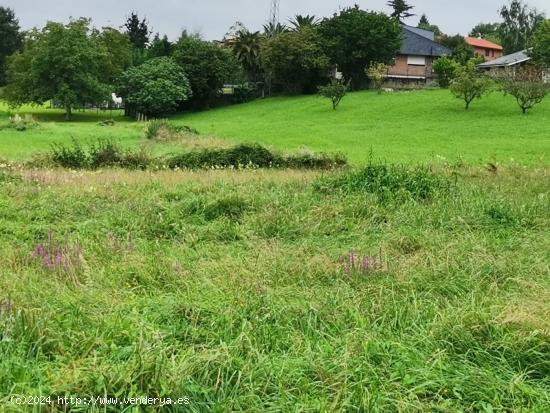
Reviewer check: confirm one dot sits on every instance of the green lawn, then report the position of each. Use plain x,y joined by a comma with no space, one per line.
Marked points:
405,126
426,126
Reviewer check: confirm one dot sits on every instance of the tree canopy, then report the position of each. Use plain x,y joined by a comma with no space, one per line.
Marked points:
10,38
519,23
155,87
68,64
294,60
138,31
401,9
355,38
540,45
207,66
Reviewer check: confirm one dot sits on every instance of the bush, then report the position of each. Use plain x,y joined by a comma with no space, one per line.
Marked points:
236,157
104,153
387,182
446,69
335,91
377,72
73,157
162,128
253,156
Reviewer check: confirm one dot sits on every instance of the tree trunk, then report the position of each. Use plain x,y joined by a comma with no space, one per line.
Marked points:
68,112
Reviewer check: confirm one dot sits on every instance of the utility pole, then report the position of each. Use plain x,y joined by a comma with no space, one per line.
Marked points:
274,14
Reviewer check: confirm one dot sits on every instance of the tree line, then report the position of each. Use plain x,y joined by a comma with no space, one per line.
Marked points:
77,64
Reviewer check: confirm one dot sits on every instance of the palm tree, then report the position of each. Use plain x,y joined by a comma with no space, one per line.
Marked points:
246,47
299,22
273,29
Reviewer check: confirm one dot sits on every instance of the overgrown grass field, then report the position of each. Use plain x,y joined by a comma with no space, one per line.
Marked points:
237,289
375,288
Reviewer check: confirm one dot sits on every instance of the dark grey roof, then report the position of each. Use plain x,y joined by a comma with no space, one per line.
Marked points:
508,60
417,44
424,33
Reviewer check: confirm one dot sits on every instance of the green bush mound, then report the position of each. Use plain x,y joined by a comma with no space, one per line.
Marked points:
162,128
105,153
387,182
254,156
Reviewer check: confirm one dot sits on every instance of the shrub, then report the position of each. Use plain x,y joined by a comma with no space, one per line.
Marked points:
163,128
335,91
387,182
253,156
104,153
376,72
237,157
69,156
446,69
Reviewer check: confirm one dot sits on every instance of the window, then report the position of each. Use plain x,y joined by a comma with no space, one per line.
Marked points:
416,60
487,51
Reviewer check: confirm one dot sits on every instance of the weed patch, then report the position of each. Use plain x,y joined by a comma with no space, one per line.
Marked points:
162,129
387,182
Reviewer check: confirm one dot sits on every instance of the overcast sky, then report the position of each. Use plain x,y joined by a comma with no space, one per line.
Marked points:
212,18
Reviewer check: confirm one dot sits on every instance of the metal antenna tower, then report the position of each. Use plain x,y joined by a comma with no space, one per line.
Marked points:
274,14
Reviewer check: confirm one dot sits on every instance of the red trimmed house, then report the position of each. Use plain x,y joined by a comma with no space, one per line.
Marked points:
484,48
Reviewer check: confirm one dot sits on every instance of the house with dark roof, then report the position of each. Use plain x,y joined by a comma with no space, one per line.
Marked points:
413,64
484,48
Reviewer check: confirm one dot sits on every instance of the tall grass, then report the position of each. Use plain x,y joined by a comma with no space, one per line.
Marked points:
232,290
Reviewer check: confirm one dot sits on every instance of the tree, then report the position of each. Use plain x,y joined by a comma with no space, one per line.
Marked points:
401,9
207,66
119,50
446,69
159,47
526,85
10,39
469,83
354,38
540,45
64,63
138,33
425,24
488,31
155,87
299,22
272,30
376,72
335,91
519,23
246,47
462,51
294,60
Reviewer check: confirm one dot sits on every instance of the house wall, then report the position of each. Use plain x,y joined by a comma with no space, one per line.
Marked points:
493,54
402,68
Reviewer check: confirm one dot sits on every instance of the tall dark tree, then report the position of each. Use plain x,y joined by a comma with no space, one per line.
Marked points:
519,23
352,39
207,66
138,31
401,9
425,24
10,38
159,47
